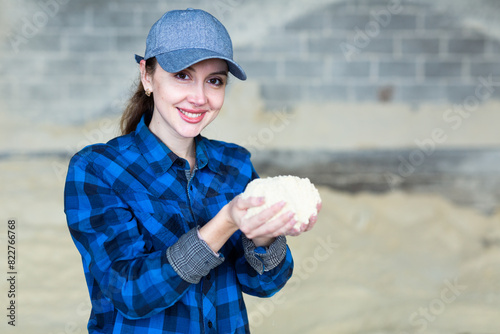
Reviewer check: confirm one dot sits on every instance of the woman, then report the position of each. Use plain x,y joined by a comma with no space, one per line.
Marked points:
155,212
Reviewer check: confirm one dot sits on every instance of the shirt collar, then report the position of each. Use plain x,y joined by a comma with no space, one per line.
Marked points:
160,157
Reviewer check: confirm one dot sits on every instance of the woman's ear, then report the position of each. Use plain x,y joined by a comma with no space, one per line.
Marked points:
146,79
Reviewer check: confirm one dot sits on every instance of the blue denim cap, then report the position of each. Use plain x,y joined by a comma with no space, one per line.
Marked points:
181,38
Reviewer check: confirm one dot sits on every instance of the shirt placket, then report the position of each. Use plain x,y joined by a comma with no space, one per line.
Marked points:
209,291
207,284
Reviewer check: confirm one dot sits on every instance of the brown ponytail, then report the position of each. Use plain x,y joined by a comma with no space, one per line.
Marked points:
139,104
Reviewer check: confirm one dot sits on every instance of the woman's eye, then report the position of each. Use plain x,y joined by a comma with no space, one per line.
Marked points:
216,82
182,76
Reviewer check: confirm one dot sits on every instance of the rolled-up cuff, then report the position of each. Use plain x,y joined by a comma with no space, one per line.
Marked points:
192,258
264,259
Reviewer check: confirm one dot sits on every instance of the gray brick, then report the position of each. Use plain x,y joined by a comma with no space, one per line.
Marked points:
115,19
457,93
68,18
351,48
383,3
466,45
260,68
420,93
27,67
134,43
98,91
148,18
396,68
485,68
75,64
379,45
312,21
118,66
281,92
440,22
363,92
48,90
340,7
328,45
346,21
90,43
80,6
327,92
282,43
304,68
420,45
247,51
380,16
6,91
41,42
400,7
402,22
494,47
5,45
442,69
352,69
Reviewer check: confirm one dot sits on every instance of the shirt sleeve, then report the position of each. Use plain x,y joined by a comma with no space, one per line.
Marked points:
105,231
192,258
264,258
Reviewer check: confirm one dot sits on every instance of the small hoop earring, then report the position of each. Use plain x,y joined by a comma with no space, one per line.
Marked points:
148,92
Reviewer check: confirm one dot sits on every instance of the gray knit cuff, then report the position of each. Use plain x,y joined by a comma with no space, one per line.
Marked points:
192,258
268,260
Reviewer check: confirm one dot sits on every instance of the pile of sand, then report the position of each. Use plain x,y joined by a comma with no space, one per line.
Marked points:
392,263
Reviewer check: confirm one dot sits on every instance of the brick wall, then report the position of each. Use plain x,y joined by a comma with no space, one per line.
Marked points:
373,50
69,60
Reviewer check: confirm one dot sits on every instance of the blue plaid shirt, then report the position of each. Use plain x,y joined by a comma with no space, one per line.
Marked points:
130,203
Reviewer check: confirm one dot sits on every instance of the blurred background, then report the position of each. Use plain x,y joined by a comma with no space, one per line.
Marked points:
389,107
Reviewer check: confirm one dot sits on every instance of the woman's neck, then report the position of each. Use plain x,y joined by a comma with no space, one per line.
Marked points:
181,146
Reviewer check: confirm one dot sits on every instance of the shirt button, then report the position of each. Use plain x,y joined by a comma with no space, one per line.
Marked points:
208,277
210,324
180,163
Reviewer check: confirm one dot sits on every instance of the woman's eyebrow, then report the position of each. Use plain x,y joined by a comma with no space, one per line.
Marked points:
219,73
223,72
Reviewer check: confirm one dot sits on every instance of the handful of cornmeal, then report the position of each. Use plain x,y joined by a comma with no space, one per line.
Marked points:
300,195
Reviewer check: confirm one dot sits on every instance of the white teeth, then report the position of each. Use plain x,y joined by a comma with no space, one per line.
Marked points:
190,115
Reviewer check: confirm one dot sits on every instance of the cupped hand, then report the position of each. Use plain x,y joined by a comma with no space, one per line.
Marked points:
262,225
307,227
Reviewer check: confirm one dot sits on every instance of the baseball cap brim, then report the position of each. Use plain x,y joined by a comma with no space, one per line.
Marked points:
178,60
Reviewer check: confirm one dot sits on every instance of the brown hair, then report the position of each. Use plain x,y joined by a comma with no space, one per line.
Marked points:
139,104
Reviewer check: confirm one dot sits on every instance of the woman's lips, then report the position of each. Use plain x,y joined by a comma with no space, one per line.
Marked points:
191,116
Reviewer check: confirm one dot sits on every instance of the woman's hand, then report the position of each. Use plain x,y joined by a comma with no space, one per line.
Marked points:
262,228
307,227
262,224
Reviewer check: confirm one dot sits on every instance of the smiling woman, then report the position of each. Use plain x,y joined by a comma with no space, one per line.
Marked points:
156,213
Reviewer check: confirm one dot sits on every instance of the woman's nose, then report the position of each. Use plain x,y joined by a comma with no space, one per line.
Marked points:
197,95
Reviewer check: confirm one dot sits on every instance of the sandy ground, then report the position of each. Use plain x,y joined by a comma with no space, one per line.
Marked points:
392,263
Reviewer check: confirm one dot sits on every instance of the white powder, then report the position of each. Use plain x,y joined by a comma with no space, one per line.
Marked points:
300,196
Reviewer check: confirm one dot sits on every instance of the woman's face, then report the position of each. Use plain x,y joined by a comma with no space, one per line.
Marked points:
187,101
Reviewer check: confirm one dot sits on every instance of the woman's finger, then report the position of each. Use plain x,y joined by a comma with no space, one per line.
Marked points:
249,202
279,225
319,206
251,225
306,227
312,222
267,214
